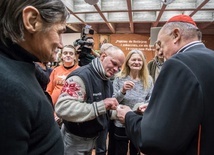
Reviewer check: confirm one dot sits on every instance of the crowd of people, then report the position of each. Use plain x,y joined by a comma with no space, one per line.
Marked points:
162,107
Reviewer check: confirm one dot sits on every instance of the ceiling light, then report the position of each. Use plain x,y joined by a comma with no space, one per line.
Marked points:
166,2
91,2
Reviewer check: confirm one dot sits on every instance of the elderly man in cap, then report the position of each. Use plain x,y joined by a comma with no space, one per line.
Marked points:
179,118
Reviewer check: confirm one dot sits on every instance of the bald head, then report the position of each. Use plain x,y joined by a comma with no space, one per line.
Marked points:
112,59
115,52
104,47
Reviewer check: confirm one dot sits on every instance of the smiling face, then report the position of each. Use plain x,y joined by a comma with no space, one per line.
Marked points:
41,39
68,55
48,41
135,62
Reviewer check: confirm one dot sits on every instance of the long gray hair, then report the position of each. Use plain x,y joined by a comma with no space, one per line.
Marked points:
11,22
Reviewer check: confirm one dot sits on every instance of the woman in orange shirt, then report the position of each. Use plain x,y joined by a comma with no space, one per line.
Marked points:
59,74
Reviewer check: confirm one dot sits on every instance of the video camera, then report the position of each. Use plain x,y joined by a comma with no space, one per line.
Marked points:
86,30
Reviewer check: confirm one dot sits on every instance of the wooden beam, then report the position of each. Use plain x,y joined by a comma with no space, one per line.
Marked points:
104,18
155,24
206,25
199,7
74,27
71,12
131,24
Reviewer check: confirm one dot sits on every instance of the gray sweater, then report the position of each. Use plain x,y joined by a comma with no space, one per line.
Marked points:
136,96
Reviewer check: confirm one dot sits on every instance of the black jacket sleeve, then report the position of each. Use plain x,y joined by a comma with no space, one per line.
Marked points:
172,118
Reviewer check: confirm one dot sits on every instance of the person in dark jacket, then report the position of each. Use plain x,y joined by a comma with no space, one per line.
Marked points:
156,63
42,74
30,32
85,101
86,53
179,118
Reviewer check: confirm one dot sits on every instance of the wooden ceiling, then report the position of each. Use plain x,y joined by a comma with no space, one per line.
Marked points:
136,16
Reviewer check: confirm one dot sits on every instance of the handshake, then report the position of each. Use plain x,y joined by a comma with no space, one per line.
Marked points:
122,110
112,104
138,109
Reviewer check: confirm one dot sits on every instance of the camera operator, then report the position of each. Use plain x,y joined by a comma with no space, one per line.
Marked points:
86,52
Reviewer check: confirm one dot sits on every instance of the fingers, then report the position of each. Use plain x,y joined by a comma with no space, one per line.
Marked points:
119,106
121,112
143,107
113,107
124,107
128,85
111,103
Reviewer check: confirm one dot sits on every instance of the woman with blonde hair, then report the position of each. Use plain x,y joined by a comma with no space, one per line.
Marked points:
132,86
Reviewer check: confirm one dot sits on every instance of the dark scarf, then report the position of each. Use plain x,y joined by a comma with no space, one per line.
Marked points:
99,68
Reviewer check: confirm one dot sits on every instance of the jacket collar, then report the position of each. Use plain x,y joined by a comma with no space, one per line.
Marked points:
192,44
16,52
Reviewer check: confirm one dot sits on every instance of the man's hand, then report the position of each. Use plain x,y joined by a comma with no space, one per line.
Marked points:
122,111
111,103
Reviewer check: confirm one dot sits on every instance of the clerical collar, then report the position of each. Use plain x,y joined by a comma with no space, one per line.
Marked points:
186,47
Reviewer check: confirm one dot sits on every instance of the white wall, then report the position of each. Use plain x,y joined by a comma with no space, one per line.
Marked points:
69,38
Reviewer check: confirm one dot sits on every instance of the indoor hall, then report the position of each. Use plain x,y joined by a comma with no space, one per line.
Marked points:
134,24
179,117
131,24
